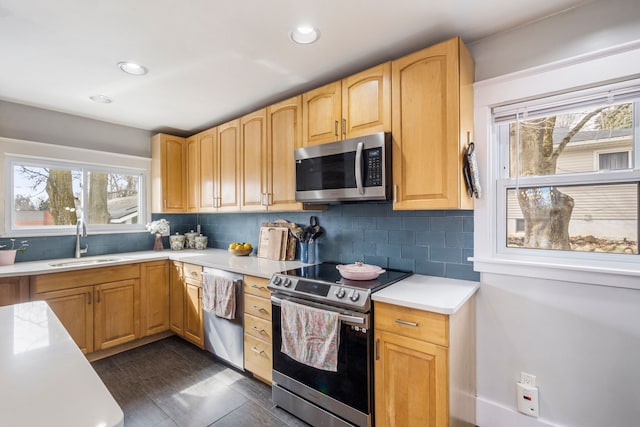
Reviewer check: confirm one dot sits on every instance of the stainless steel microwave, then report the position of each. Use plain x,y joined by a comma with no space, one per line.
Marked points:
351,170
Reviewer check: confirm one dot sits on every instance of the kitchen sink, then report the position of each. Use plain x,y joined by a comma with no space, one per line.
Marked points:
80,262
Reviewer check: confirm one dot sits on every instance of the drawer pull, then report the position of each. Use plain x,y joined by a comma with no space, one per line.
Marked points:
404,322
261,331
257,350
258,308
259,287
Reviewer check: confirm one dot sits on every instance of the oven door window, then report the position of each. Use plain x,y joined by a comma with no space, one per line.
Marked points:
350,384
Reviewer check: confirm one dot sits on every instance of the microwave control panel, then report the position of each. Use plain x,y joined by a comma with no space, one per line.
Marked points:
373,159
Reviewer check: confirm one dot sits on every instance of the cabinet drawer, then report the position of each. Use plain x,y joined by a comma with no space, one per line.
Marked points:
256,286
257,327
412,323
256,306
192,271
83,277
258,357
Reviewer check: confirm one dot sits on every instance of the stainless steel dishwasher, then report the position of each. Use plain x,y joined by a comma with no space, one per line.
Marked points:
223,337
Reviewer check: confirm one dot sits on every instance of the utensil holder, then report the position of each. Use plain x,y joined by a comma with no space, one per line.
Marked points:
304,252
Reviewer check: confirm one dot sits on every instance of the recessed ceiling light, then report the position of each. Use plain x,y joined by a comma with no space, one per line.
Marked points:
305,34
132,68
101,99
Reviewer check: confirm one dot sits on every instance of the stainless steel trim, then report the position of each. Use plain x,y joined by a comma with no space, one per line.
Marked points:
296,398
358,168
404,322
347,318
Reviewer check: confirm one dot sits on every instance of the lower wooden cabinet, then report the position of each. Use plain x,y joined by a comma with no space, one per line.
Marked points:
100,308
186,318
154,301
424,367
14,290
258,352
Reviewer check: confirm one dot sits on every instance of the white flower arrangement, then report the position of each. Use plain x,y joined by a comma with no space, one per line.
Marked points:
160,226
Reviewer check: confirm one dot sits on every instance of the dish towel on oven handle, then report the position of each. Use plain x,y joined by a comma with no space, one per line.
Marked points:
219,296
310,335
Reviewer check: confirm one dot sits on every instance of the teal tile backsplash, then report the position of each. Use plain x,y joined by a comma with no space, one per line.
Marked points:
426,242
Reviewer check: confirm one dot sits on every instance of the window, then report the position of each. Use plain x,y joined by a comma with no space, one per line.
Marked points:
47,195
553,194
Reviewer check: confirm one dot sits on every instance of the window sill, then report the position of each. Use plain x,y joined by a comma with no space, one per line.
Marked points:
612,274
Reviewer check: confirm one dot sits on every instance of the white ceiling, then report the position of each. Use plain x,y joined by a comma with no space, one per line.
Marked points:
214,60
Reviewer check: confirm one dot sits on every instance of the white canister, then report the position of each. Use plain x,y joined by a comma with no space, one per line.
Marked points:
191,239
176,241
201,242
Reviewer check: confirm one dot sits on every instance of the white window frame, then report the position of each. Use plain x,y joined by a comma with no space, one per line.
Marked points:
17,151
598,153
616,66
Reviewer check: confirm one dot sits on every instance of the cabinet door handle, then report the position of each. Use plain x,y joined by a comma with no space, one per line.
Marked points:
258,308
165,203
395,194
335,128
259,287
377,349
97,296
344,127
257,350
260,331
89,298
404,322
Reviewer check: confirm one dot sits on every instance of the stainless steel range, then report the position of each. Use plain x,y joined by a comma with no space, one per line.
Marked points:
321,397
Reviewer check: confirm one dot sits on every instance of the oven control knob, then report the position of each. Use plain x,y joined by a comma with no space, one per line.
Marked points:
354,296
277,280
340,293
287,282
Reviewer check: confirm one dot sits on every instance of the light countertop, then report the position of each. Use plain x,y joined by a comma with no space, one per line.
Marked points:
430,293
216,258
46,380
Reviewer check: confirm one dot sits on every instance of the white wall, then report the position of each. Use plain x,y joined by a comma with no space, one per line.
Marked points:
28,123
582,341
594,26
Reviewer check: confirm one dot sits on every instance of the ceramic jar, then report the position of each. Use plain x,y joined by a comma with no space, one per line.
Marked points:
201,242
191,239
176,241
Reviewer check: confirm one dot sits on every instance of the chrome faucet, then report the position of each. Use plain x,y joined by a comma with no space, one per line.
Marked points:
79,250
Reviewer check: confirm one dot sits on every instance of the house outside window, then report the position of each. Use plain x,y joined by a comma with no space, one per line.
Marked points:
549,182
43,195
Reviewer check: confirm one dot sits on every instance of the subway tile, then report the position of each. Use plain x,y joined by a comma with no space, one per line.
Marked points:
404,237
446,255
454,239
447,223
467,224
433,213
462,272
416,223
389,223
364,223
430,268
376,236
466,254
387,250
380,261
433,239
467,241
404,264
364,248
415,252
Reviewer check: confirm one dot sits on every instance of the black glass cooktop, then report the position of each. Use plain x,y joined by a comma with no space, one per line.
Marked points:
328,273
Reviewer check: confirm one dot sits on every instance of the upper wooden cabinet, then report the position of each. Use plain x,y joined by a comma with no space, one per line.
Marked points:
168,173
355,106
432,104
201,171
227,167
269,137
255,161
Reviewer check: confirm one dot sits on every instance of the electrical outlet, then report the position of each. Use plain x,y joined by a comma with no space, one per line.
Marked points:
527,399
527,379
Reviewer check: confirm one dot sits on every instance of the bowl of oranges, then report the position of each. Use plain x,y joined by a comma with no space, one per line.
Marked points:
240,249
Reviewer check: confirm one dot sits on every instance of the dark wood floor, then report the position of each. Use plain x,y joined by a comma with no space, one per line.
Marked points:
173,383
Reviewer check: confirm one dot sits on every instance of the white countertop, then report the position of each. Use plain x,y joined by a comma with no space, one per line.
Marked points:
45,379
216,258
430,293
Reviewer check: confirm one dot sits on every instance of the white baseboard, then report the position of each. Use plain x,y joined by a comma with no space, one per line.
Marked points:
492,414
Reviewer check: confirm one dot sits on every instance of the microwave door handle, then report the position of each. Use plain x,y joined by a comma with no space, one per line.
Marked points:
358,167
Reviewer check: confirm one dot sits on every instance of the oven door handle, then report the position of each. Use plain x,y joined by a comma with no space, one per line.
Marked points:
343,317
